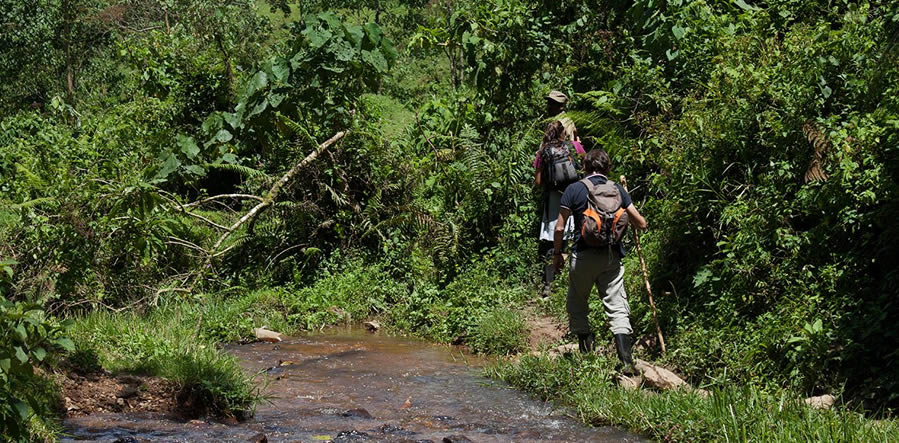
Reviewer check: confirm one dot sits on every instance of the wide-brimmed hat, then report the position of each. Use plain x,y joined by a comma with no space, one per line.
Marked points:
558,97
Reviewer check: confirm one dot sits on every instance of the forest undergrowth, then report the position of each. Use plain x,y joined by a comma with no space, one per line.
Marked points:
148,212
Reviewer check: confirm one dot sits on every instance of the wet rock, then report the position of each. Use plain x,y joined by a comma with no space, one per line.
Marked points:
659,377
264,334
120,401
357,413
455,439
258,438
353,435
126,439
372,326
407,404
821,402
392,430
629,383
444,418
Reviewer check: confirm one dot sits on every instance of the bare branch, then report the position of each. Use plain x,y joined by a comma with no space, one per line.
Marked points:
218,197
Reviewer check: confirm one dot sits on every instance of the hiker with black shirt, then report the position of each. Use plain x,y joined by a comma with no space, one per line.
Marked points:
602,210
556,164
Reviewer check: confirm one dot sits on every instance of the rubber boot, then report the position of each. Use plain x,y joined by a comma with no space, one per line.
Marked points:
585,342
624,345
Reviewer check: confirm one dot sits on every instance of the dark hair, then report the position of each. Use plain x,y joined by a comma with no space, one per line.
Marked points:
598,160
554,133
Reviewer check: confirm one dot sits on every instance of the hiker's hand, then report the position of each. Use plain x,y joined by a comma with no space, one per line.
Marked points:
557,263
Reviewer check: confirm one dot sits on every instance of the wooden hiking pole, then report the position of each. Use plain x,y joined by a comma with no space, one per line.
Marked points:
652,304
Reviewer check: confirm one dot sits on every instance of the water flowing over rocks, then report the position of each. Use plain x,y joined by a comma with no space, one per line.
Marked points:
356,386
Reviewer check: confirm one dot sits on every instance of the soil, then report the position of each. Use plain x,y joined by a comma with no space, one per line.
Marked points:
103,392
543,330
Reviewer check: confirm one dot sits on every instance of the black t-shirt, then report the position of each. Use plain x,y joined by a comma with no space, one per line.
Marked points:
575,199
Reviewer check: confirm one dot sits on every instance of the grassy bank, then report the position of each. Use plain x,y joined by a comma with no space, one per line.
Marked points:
165,343
728,414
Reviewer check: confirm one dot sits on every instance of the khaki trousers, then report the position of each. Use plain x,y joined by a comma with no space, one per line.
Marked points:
600,267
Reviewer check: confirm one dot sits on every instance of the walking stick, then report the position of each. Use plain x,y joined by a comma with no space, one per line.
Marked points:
652,304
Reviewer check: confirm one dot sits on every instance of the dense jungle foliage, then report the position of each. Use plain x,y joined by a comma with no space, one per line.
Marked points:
758,138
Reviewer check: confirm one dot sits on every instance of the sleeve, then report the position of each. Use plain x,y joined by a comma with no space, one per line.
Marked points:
578,147
538,162
570,197
625,197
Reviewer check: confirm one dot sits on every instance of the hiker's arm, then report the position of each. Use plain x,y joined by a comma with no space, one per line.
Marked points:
558,237
637,220
539,178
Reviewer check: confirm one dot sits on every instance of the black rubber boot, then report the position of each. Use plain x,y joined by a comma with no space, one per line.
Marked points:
585,342
624,344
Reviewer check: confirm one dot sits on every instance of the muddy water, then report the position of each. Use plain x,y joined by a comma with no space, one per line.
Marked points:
348,385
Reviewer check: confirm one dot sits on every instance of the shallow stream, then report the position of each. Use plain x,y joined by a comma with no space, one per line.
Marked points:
348,385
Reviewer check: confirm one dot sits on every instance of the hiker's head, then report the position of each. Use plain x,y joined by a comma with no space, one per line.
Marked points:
598,161
555,132
555,102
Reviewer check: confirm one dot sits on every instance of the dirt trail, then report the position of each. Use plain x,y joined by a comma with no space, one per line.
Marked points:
543,330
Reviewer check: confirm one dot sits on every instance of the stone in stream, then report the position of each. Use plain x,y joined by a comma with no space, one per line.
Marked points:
264,334
392,430
357,413
353,435
455,439
258,438
372,326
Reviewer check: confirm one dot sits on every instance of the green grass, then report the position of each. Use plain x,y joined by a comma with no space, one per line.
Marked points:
164,343
729,414
500,331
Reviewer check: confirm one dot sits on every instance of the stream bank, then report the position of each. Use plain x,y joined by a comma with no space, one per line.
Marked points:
348,385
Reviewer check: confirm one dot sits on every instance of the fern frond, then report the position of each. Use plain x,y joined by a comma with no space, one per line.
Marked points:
245,171
33,203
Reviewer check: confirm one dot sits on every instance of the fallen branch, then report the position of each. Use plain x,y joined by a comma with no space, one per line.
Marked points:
264,203
218,197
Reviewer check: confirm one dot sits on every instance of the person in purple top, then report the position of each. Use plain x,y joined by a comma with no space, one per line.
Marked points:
555,135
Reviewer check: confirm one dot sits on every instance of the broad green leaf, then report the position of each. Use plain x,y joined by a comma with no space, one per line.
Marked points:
39,353
281,70
317,37
21,355
276,99
376,60
373,31
229,158
355,34
169,165
20,329
678,32
223,136
22,408
188,146
742,4
65,343
258,108
331,19
5,364
259,81
343,51
195,170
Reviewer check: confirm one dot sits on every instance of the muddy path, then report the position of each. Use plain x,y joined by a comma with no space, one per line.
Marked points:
348,385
